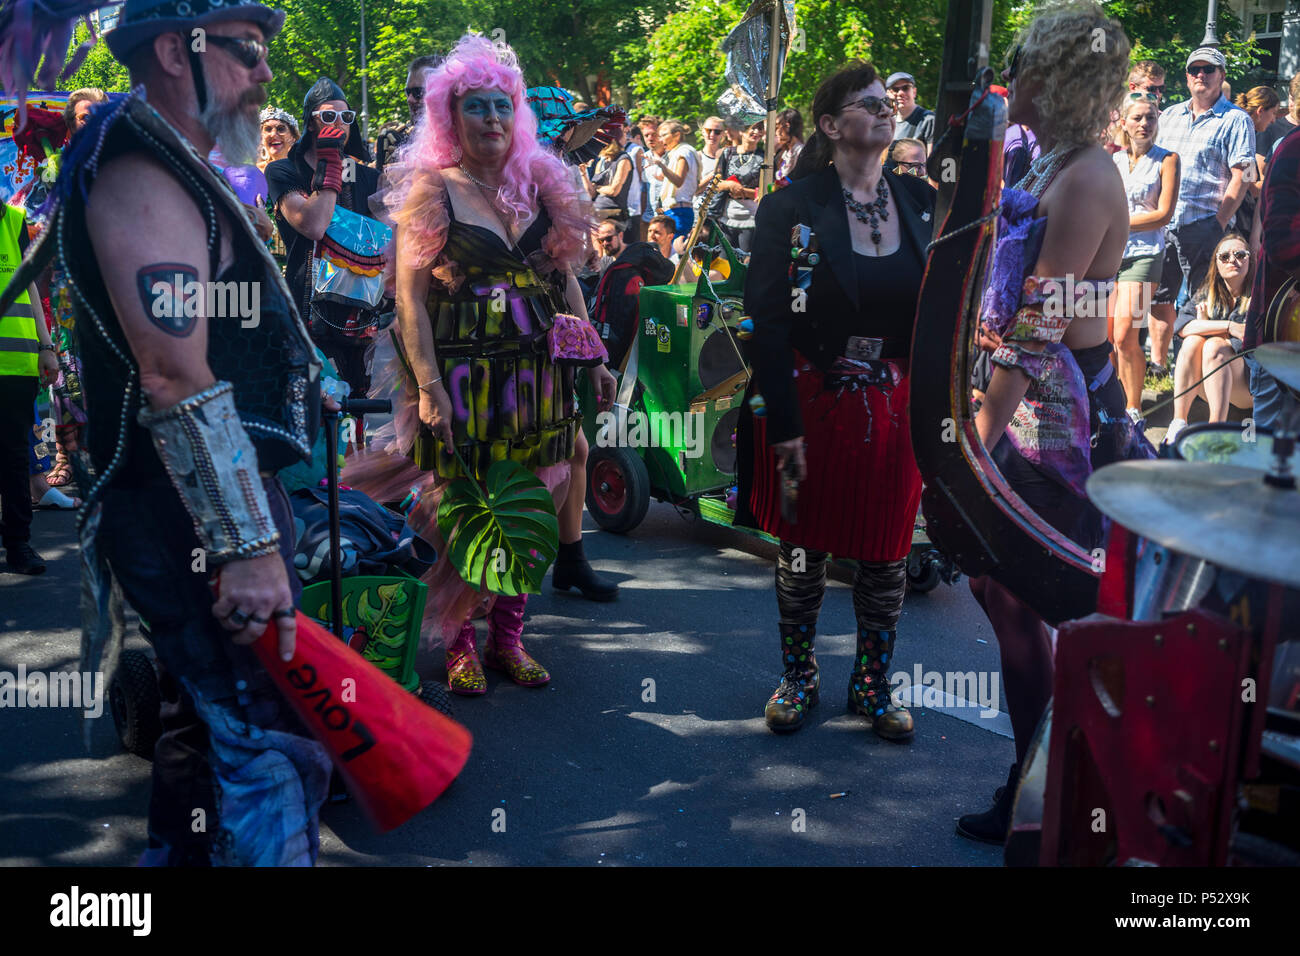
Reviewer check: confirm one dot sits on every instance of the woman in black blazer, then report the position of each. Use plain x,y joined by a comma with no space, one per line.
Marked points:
832,288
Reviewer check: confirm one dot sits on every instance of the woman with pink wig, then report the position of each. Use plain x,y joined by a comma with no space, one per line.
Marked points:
487,229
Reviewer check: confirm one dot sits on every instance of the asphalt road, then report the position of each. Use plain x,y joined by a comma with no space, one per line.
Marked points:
589,770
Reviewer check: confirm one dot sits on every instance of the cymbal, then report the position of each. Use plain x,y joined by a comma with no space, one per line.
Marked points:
1282,361
1223,514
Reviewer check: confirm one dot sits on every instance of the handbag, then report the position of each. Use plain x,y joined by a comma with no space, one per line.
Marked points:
570,339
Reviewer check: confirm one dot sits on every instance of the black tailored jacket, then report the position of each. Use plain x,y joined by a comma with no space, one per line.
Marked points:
832,312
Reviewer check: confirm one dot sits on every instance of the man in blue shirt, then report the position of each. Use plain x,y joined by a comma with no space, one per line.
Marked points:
1216,144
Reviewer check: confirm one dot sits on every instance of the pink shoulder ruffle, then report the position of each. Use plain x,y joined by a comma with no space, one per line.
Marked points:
572,219
413,201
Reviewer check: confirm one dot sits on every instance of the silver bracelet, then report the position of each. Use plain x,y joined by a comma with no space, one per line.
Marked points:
432,382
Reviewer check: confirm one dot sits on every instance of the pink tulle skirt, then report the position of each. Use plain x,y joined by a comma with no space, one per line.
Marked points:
386,473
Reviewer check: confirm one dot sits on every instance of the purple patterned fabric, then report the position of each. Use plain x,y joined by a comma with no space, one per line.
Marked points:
1020,237
1050,428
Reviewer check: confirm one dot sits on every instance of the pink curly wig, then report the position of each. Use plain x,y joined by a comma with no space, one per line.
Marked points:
476,63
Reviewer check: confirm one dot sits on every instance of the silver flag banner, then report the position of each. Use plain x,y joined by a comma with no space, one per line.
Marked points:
748,48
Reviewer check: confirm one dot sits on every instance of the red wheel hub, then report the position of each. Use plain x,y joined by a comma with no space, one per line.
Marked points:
609,487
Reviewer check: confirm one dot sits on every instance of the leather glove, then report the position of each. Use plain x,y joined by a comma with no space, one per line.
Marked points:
329,162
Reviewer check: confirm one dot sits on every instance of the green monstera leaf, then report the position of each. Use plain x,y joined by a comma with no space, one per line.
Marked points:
501,537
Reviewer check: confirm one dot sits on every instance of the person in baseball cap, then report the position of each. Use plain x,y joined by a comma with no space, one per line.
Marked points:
1208,54
914,122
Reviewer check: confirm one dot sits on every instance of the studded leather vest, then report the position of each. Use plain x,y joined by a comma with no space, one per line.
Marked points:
268,357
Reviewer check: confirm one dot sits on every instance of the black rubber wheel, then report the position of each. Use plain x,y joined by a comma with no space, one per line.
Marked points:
435,694
135,701
618,488
923,571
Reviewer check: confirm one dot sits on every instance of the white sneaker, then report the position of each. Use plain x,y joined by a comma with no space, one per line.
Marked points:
1134,414
1176,426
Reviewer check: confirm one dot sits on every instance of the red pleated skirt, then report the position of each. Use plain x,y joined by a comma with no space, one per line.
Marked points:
863,489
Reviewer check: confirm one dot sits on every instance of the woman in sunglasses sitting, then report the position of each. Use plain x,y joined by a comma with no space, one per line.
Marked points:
1212,326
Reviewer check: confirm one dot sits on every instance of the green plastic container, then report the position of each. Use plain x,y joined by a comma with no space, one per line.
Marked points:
381,620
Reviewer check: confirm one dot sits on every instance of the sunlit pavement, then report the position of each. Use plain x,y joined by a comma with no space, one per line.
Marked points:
647,748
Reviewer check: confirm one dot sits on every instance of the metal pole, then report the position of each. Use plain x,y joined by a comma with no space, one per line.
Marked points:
767,174
1211,15
365,78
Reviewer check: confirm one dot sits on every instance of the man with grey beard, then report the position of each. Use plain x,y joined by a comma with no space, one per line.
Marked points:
324,171
190,414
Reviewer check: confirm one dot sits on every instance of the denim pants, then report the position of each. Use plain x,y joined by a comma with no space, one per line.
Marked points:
237,780
1270,400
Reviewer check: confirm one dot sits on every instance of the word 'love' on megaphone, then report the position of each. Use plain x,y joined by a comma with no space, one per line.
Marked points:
396,754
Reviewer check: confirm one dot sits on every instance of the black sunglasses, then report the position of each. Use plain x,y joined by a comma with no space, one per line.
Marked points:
880,105
415,92
1014,66
248,52
1196,69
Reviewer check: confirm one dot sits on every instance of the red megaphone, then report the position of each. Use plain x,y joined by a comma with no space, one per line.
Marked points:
396,754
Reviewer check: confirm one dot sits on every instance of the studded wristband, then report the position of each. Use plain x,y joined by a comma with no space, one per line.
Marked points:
212,463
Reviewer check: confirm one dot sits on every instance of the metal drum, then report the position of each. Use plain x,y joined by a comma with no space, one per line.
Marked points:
1226,443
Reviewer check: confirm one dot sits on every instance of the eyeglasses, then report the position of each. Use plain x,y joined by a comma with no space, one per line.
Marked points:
1239,255
1143,96
415,92
1014,65
1196,69
911,169
329,116
713,132
880,105
248,52
606,240
902,88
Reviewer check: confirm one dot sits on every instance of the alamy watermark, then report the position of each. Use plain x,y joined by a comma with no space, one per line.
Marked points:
76,689
639,429
948,688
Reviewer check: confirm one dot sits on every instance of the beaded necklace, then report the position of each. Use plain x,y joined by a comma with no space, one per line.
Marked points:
871,213
1044,169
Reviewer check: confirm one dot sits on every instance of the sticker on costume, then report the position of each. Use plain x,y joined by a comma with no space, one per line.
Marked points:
683,314
665,339
649,326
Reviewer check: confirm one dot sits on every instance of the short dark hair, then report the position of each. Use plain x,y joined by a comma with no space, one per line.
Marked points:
827,101
426,62
666,221
793,120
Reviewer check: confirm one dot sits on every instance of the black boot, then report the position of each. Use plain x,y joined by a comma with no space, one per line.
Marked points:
869,690
993,824
22,559
797,693
572,571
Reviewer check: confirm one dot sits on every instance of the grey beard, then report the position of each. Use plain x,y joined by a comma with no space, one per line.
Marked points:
238,134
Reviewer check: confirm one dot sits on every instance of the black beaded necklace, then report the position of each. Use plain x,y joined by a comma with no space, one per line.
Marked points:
871,213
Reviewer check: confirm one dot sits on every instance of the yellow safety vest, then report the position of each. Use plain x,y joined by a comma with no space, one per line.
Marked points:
18,340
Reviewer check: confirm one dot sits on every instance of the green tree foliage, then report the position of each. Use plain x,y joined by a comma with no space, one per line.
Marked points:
99,69
664,56
1167,31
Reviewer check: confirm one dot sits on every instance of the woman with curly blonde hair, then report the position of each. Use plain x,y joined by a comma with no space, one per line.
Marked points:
1052,383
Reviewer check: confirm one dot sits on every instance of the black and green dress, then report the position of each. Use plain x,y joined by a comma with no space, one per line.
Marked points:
508,398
